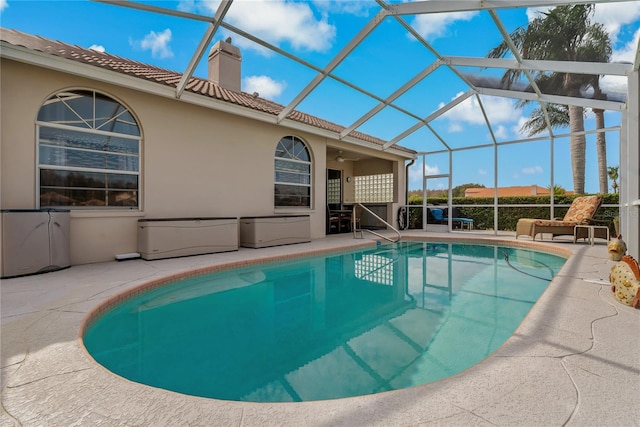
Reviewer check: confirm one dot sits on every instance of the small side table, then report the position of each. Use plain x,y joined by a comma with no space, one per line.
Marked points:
593,231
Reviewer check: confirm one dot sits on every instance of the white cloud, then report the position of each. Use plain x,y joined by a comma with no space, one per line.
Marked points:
517,129
350,7
3,5
533,170
415,172
500,132
499,110
627,53
434,25
275,22
432,170
97,48
455,128
614,86
157,43
614,16
187,6
482,172
264,85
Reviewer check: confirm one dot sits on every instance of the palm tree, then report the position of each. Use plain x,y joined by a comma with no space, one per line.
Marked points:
557,190
597,48
558,117
565,33
613,176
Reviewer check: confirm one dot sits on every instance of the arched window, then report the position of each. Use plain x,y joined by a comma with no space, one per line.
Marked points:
292,173
88,152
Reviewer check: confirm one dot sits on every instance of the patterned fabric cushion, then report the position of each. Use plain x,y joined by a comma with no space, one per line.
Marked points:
582,209
553,223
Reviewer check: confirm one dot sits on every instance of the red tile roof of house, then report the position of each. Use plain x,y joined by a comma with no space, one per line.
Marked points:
171,78
525,190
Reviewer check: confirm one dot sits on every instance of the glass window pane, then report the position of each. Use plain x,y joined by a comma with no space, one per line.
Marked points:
289,195
62,178
86,159
126,124
68,108
105,147
79,139
123,198
292,178
292,148
285,165
106,108
292,166
72,197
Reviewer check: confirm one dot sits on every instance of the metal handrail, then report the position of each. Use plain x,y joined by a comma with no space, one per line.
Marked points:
354,222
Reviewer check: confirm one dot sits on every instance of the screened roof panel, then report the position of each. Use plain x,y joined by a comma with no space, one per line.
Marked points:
388,123
426,139
341,60
379,66
450,33
427,96
322,102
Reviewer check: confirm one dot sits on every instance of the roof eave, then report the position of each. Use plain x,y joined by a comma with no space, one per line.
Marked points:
57,63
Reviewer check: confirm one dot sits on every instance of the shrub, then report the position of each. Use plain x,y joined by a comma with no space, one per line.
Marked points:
508,216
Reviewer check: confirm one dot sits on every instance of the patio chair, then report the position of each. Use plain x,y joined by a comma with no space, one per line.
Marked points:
581,212
457,221
333,222
435,216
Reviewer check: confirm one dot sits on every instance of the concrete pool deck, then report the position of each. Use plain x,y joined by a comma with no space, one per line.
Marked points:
575,360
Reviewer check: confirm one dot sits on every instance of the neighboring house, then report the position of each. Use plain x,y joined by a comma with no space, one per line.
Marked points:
112,140
524,190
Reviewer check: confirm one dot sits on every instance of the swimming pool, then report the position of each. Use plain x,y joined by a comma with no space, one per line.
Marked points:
324,327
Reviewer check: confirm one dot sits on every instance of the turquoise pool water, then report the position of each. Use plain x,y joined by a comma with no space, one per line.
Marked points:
325,327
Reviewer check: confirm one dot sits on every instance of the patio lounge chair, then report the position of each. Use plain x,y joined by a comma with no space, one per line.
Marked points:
457,221
580,212
435,216
440,216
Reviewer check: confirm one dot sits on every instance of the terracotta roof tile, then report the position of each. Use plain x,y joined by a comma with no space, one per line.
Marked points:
515,191
171,78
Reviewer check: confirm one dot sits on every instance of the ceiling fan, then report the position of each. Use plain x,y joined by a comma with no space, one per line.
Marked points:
341,159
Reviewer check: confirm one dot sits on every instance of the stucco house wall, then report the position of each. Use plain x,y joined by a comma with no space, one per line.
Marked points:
196,162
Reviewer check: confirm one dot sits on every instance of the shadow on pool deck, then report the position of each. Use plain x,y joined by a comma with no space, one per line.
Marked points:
575,359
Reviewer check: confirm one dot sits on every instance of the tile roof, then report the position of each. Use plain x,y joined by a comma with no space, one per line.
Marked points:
172,78
524,190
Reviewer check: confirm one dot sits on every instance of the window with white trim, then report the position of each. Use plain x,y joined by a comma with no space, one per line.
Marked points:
292,166
88,152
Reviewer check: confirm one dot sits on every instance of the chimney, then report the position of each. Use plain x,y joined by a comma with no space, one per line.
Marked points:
224,65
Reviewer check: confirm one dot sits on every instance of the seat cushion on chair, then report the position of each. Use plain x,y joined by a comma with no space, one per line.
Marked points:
582,210
554,223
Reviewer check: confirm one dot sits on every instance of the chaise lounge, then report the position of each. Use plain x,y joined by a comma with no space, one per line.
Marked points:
581,212
441,216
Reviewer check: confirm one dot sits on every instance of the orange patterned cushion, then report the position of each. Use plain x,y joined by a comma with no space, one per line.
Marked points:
582,209
553,223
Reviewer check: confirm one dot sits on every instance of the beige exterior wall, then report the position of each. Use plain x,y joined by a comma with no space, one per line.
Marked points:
196,162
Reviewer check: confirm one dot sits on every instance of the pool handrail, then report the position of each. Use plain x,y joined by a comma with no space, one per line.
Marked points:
356,229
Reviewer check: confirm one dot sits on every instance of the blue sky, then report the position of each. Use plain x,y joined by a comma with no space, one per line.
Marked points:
316,31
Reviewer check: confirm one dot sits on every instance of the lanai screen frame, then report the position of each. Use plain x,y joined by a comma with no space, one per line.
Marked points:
629,130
